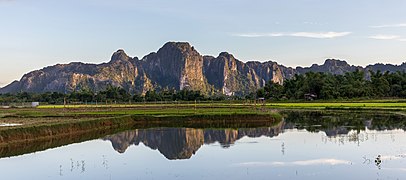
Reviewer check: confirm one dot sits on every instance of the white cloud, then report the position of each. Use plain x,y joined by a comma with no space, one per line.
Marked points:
318,35
297,163
384,37
253,35
390,25
388,37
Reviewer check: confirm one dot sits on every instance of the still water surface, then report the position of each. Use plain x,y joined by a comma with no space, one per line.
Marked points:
322,147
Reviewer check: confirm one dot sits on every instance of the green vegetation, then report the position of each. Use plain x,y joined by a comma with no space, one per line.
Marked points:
351,85
180,114
331,105
42,124
82,115
111,95
310,86
50,117
236,107
41,137
156,110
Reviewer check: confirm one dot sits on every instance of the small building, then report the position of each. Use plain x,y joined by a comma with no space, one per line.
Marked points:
310,96
34,104
261,101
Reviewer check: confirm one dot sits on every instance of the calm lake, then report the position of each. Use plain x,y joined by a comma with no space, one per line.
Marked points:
301,146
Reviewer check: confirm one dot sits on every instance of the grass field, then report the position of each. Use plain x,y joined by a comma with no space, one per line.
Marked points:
52,115
50,121
324,105
47,121
59,114
390,104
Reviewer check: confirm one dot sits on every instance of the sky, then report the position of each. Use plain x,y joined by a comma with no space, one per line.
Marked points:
39,33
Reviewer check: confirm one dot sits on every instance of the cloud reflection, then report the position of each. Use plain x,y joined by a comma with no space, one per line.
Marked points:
396,169
310,162
393,157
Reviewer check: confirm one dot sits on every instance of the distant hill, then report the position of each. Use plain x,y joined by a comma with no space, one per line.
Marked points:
177,65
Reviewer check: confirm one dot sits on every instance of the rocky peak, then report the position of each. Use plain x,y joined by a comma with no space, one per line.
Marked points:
226,55
230,60
182,47
176,65
332,66
335,62
120,55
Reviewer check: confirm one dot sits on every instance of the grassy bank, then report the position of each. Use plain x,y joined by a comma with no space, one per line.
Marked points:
45,123
49,121
53,126
244,106
53,115
394,106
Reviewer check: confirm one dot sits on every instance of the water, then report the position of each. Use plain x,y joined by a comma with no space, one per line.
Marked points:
316,146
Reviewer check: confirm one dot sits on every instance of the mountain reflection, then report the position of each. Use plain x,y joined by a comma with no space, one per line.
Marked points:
182,143
182,140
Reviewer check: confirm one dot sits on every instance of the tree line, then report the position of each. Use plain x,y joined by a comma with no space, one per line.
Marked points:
111,94
311,85
357,84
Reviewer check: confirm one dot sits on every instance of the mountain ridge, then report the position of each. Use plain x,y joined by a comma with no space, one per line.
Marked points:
176,65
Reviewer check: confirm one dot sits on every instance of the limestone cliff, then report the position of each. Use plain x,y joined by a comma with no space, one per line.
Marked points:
177,65
120,71
330,66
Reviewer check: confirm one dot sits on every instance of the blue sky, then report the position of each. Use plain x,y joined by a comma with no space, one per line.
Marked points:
35,34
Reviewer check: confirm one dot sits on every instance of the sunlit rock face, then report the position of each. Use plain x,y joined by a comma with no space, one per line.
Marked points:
177,65
121,71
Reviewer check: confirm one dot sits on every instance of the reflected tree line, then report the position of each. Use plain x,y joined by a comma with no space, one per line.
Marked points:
334,123
182,143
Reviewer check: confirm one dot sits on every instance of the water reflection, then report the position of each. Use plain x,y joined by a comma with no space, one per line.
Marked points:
340,123
182,143
304,145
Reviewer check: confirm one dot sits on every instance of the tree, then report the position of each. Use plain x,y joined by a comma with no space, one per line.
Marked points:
380,84
273,90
